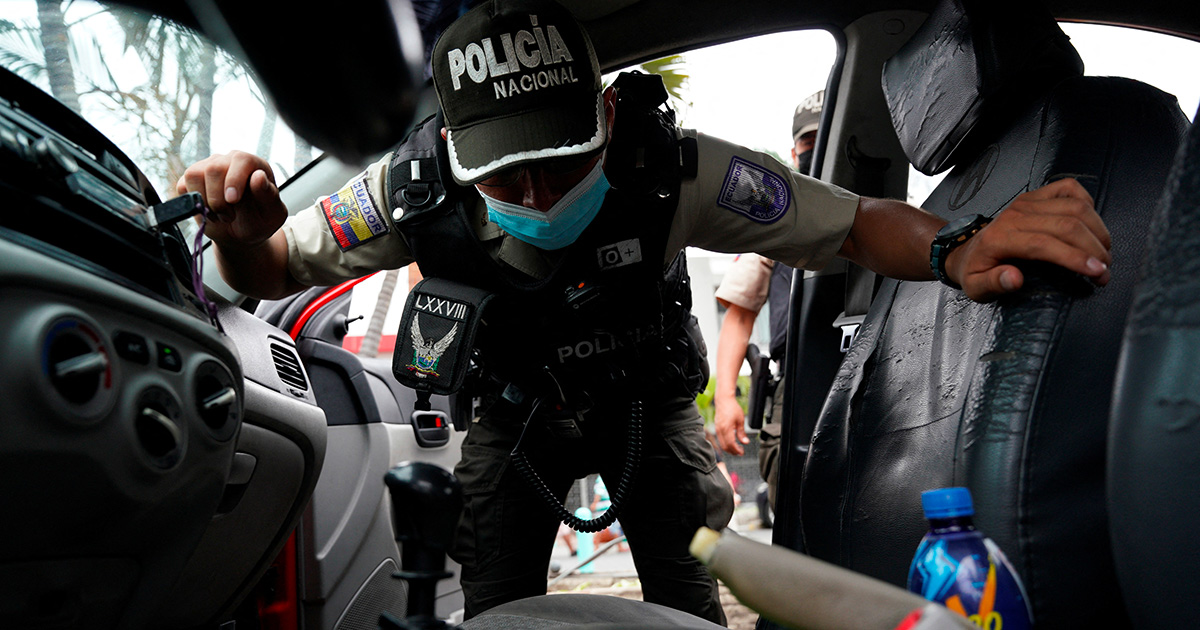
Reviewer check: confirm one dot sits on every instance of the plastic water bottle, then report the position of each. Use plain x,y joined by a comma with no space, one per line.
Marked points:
967,573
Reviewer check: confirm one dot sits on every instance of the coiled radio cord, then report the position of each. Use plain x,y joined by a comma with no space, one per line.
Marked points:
633,457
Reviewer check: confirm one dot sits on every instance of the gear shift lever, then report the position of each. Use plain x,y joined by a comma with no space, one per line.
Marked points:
426,502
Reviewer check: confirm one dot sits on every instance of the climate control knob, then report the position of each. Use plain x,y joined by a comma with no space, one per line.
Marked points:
156,427
217,400
77,366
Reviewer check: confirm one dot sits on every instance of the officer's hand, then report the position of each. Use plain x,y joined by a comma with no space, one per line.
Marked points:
239,189
731,425
1056,223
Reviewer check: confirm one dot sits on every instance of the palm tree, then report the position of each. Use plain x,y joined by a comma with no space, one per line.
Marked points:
42,53
175,103
56,45
370,343
171,110
673,70
206,88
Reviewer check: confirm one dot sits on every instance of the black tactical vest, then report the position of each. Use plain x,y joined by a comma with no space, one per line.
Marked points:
608,316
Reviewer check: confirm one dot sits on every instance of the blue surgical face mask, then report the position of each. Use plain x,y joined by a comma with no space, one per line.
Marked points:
562,224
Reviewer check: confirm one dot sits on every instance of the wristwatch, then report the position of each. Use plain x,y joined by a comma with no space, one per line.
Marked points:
948,238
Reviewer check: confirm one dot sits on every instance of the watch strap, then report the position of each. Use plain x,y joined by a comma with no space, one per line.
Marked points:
943,244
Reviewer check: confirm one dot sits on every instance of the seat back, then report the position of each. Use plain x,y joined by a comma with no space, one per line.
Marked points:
1154,439
1009,399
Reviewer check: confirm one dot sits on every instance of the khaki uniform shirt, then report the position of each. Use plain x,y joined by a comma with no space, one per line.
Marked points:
740,201
746,282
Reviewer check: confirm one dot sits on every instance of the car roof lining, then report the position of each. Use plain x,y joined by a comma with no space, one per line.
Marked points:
683,25
709,22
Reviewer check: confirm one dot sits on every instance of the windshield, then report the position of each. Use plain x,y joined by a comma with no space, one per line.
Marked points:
159,91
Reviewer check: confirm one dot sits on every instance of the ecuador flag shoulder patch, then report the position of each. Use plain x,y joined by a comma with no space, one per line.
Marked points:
353,216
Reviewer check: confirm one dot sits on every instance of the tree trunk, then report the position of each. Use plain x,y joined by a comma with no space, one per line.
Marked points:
303,154
266,135
370,344
205,88
57,47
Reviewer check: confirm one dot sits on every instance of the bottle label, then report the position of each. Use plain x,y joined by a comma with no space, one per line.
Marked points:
937,569
972,579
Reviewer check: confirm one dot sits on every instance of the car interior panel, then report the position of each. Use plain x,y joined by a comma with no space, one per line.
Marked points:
124,400
940,391
1152,454
175,455
346,543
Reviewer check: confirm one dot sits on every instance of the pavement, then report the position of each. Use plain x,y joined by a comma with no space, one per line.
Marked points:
613,572
619,564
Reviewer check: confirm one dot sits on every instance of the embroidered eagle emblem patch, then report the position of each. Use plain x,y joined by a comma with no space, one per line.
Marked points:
752,190
428,352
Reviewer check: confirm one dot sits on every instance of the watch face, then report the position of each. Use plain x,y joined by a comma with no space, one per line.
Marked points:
958,225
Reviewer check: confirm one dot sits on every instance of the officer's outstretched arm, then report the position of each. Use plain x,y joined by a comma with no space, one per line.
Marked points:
1056,223
243,223
731,352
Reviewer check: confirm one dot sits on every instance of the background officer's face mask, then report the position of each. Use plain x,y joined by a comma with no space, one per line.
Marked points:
562,224
804,162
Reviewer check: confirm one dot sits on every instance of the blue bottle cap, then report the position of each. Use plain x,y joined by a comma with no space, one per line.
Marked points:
947,503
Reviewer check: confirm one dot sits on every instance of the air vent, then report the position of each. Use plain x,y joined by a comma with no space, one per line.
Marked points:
288,367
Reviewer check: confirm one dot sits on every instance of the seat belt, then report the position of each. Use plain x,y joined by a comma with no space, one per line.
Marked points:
861,283
860,289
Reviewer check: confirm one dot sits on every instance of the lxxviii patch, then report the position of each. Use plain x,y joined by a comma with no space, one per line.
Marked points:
436,335
353,216
754,191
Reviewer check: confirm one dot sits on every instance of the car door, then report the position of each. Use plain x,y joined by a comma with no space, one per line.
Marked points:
345,547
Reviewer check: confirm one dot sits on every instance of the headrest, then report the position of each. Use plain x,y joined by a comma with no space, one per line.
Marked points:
967,71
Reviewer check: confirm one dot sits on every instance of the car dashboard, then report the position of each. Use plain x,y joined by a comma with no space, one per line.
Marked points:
151,450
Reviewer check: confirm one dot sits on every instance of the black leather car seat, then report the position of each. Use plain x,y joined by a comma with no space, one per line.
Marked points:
1154,438
1010,399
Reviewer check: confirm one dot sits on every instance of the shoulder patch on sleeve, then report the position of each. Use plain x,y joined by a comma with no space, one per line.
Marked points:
754,191
352,214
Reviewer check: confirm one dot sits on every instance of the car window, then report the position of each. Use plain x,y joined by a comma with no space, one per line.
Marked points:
746,92
1164,61
161,92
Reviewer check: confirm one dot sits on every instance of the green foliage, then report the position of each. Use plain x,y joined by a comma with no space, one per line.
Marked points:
673,70
787,161
704,400
21,51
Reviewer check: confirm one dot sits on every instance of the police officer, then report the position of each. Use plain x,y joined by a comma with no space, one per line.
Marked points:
587,333
751,282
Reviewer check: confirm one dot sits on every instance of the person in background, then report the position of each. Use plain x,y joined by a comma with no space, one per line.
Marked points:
600,503
751,282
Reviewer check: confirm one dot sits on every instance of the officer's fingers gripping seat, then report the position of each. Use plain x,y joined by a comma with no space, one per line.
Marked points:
1009,399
